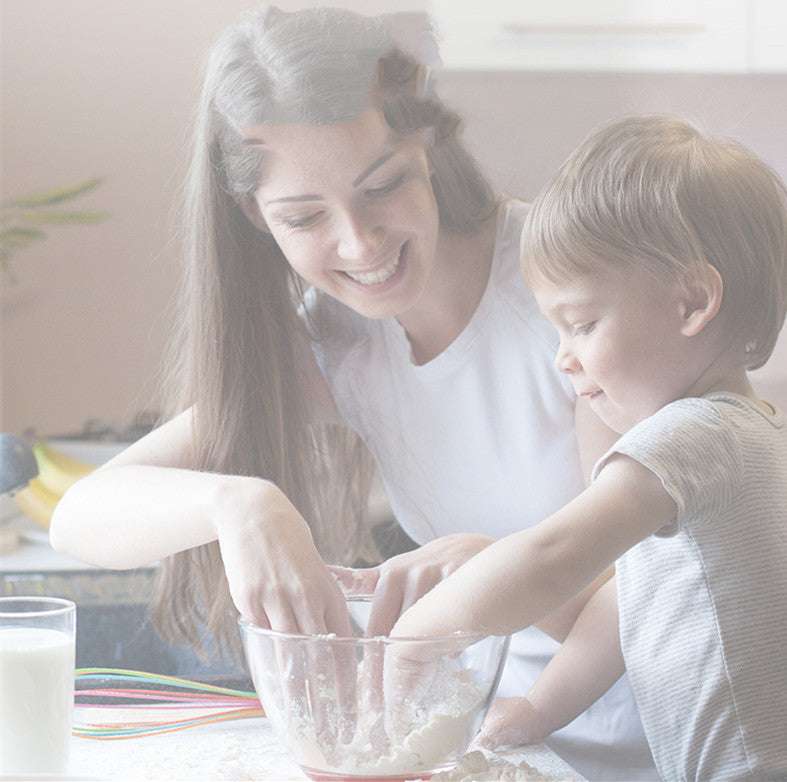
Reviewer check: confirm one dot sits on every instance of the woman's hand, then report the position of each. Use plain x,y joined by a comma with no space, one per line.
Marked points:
400,581
276,576
278,580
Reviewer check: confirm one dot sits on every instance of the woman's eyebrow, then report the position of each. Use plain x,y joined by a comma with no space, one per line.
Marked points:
368,171
306,197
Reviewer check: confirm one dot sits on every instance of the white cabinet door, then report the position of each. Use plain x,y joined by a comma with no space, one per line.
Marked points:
619,35
768,20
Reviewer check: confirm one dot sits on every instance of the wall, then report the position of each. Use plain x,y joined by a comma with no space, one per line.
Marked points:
94,88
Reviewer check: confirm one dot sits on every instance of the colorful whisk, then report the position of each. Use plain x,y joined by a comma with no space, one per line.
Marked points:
221,703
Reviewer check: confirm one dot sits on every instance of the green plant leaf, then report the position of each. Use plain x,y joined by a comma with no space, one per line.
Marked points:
51,217
18,233
12,239
55,196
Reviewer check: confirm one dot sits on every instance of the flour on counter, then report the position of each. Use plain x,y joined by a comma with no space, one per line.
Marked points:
477,767
242,751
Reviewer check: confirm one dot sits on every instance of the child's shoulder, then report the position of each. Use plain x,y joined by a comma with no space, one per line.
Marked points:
690,445
713,412
737,409
690,409
702,448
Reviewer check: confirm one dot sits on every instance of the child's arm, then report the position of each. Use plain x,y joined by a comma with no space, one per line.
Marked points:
521,578
587,664
558,623
583,669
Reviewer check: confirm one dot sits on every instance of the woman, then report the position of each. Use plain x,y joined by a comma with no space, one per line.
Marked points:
352,291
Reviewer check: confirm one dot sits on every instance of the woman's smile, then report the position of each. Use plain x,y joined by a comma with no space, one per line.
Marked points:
384,276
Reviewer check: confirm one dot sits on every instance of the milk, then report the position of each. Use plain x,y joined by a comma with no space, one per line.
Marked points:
36,699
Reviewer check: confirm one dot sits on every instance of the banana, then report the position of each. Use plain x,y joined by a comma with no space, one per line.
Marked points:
57,471
37,502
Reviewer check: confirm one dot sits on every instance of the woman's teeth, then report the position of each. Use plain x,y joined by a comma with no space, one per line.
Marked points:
377,276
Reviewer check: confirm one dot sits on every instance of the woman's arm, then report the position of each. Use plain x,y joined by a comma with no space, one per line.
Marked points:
148,503
144,504
519,579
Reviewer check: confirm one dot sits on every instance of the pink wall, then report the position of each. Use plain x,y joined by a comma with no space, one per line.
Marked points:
95,88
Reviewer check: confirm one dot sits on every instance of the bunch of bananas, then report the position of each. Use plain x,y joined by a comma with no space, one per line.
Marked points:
56,473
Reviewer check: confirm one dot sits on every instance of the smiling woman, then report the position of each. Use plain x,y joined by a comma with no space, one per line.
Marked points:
363,232
352,300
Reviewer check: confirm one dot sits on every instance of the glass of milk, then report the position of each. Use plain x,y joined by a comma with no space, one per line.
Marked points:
37,658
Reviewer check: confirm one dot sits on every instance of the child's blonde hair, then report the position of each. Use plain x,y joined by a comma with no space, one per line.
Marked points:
656,192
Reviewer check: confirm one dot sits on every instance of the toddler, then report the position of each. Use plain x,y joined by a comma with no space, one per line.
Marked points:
659,256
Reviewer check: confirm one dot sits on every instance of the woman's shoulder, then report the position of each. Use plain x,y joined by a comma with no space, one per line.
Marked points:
514,210
510,222
508,281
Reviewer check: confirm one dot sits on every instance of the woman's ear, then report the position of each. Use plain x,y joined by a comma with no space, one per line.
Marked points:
250,207
700,299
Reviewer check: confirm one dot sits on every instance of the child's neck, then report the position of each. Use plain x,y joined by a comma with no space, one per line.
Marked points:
731,379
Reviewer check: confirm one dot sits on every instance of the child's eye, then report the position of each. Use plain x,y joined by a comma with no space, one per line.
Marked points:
585,328
387,187
303,221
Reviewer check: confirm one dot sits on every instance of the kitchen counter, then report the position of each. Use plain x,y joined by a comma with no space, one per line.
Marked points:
236,750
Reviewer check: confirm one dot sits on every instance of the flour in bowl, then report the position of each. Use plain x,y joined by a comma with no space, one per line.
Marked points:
427,736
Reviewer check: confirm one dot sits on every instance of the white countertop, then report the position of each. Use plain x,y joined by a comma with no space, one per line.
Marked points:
235,750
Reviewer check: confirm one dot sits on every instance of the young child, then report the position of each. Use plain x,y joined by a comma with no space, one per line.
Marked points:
659,254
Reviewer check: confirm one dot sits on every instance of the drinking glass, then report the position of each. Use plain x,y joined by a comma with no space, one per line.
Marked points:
37,659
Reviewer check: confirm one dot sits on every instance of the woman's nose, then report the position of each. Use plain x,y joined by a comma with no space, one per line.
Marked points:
359,238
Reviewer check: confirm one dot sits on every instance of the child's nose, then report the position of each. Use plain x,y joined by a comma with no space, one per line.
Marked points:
566,361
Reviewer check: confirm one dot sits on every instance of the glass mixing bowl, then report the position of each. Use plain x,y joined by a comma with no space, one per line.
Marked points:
330,701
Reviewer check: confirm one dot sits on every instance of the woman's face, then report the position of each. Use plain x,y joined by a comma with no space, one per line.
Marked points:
352,209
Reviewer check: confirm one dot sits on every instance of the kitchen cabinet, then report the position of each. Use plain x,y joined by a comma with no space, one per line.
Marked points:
736,36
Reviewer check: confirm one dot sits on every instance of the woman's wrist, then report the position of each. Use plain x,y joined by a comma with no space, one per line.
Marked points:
239,500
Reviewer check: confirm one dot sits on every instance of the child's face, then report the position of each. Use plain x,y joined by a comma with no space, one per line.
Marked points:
621,342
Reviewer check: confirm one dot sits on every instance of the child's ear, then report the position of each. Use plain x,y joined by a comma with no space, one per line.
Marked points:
701,295
251,209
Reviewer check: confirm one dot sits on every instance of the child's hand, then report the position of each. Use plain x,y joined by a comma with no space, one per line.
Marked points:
512,722
412,677
400,581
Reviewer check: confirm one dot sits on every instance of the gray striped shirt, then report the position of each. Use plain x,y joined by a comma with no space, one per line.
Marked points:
703,603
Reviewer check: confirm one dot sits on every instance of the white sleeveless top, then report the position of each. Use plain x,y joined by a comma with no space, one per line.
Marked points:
479,439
